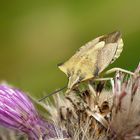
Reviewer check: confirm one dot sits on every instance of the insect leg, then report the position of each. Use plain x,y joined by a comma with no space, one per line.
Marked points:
103,79
119,69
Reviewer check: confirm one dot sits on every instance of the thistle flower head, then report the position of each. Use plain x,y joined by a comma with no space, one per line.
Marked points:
100,114
125,119
18,112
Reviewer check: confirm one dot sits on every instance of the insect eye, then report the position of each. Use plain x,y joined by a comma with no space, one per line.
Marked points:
80,79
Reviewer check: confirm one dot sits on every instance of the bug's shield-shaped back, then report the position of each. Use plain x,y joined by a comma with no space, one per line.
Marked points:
92,58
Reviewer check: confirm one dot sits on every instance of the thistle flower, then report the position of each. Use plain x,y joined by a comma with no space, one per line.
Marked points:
18,112
100,114
125,119
82,114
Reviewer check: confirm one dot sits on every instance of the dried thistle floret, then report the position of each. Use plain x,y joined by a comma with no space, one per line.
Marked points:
98,114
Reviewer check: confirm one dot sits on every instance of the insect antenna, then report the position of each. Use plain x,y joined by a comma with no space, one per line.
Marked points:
52,93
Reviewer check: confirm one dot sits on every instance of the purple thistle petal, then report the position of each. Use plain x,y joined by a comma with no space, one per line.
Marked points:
18,112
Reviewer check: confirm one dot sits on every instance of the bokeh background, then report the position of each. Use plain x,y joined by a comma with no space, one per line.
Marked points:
36,35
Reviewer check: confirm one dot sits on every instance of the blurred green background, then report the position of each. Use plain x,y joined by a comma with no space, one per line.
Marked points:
37,35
